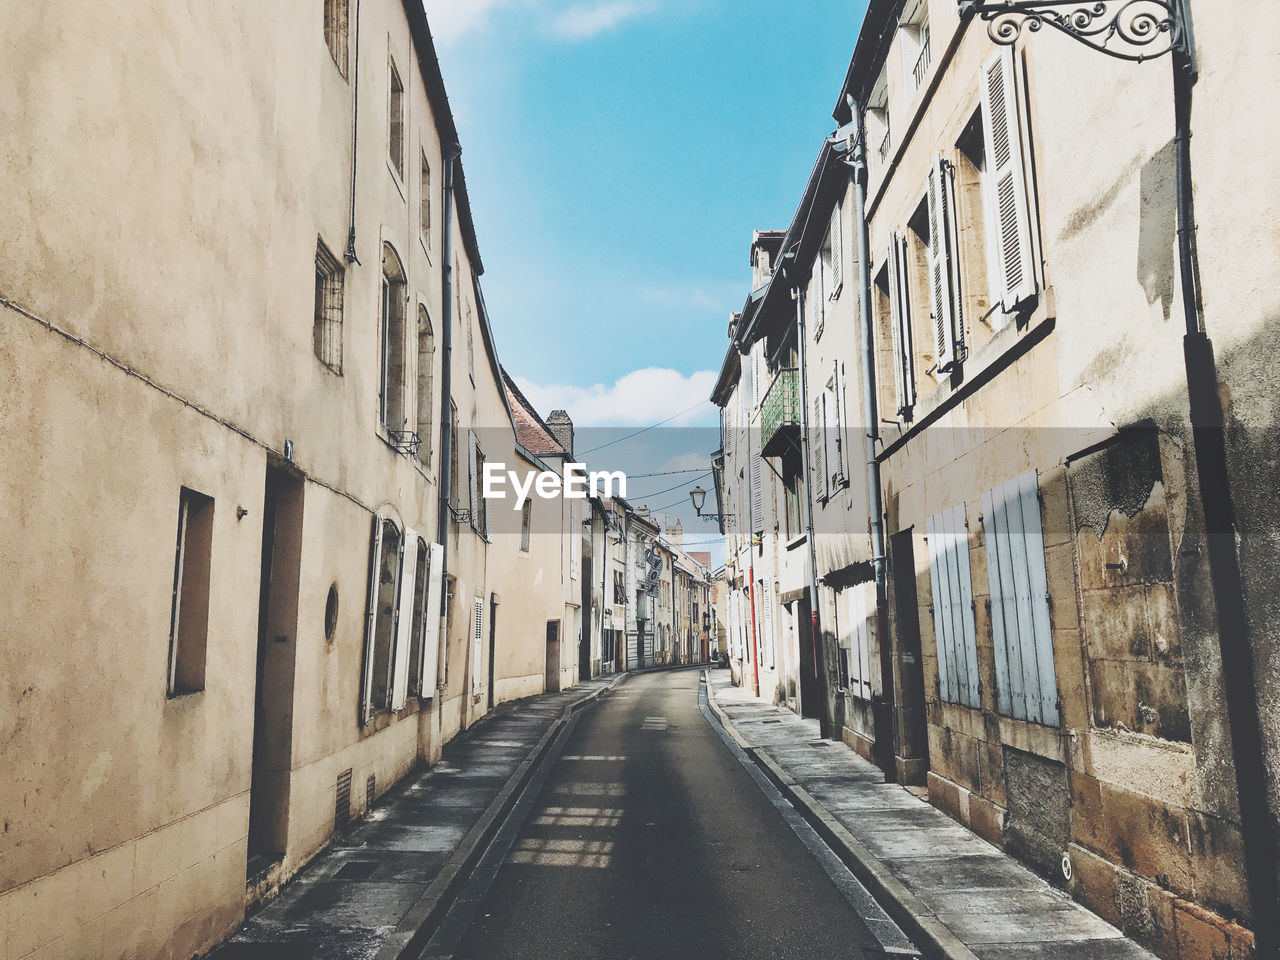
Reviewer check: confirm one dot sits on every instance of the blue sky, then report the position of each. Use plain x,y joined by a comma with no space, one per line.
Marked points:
618,155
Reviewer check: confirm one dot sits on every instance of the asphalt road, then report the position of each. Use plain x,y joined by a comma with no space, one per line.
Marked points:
649,838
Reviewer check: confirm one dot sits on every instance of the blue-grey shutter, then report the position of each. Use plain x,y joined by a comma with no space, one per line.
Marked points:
941,610
1021,632
967,631
952,586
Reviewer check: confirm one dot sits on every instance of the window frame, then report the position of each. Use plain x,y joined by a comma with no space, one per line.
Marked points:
190,598
396,120
328,309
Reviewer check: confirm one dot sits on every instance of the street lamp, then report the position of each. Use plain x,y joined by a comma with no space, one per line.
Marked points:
1139,30
699,498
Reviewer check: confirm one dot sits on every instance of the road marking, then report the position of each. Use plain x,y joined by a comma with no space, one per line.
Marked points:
593,758
654,723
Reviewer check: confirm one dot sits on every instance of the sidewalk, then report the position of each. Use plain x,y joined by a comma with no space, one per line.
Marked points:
400,869
953,893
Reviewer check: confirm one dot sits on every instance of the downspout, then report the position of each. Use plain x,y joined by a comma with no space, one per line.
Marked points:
875,505
445,475
1208,426
751,569
819,649
355,127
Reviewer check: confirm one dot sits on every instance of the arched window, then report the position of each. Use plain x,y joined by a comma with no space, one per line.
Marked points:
426,366
391,373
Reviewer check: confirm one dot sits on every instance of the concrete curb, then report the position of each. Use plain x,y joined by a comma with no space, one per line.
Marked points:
930,934
416,928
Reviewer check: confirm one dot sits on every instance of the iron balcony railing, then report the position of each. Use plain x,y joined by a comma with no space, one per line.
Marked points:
780,413
884,147
922,61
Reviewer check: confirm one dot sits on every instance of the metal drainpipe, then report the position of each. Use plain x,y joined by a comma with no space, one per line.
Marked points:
819,649
355,126
1208,423
751,567
446,389
875,505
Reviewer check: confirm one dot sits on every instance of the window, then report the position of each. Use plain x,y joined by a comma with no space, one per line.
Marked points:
952,585
471,345
975,261
189,614
395,122
1026,687
791,488
455,491
1009,210
479,506
327,329
526,523
424,202
943,268
391,382
383,616
914,34
764,590
619,588
878,132
335,32
899,297
477,642
834,454
858,654
426,399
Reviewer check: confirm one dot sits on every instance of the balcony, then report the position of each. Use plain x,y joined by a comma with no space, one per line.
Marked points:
922,61
780,415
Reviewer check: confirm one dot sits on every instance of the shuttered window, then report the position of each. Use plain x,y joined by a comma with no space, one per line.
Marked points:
858,653
904,368
757,497
382,616
837,255
766,604
410,569
944,274
834,451
1002,132
1026,687
949,574
819,446
425,668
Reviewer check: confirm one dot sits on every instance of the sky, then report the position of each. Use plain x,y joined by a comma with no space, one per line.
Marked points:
618,155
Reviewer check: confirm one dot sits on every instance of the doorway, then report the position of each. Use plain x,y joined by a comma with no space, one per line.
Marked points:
553,656
911,748
277,653
811,698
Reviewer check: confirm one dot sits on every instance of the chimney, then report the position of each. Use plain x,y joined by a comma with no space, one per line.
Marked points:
643,512
562,429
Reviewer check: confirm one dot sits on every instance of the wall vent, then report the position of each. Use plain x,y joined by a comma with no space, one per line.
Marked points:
342,802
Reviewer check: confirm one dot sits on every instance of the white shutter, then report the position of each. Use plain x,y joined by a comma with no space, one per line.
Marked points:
757,495
859,644
575,541
818,448
1002,132
842,435
836,418
900,317
430,665
941,268
371,606
766,587
475,480
837,253
477,637
404,622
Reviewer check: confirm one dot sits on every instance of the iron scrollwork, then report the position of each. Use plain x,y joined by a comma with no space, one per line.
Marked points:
1134,30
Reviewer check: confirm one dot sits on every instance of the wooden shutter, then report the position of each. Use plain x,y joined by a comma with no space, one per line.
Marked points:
1002,132
836,418
900,316
1026,683
819,447
859,643
371,607
430,664
942,266
766,606
477,641
952,587
399,692
837,253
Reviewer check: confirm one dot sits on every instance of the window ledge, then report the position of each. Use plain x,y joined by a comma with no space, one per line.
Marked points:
799,541
396,178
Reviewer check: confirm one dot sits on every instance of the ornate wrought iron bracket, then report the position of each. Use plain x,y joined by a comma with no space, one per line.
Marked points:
1135,30
460,515
405,441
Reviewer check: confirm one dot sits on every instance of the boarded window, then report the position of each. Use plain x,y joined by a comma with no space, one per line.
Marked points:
335,32
395,123
949,574
424,201
526,523
391,374
1026,687
327,328
382,617
189,614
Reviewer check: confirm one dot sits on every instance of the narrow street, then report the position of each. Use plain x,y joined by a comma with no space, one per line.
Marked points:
649,839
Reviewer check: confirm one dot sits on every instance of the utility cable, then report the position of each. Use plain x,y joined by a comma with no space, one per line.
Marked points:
583,453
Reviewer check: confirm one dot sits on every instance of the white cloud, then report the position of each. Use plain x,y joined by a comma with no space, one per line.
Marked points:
589,20
718,300
450,19
639,398
694,460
